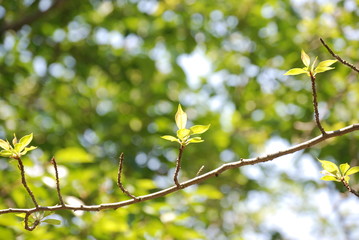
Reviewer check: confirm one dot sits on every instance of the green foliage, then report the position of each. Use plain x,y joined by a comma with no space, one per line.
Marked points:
311,69
18,148
333,173
184,134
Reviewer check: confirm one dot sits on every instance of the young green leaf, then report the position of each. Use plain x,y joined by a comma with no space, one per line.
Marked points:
14,140
52,221
326,63
198,129
305,58
4,144
329,178
352,171
24,141
183,133
296,71
329,166
170,138
6,153
194,140
344,168
181,118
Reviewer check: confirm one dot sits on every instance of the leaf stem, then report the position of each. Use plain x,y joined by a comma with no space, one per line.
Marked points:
119,183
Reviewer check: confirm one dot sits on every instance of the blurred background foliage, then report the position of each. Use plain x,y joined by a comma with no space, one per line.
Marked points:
92,79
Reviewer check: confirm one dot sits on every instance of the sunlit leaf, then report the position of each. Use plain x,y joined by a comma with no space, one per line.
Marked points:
24,141
52,221
194,140
344,168
28,149
322,69
6,153
198,129
183,133
352,170
329,178
170,138
305,58
329,166
4,144
313,65
181,118
295,71
14,140
326,63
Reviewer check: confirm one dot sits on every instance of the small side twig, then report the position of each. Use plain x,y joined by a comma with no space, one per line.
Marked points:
200,170
178,166
53,161
26,220
349,188
338,57
119,183
315,105
23,180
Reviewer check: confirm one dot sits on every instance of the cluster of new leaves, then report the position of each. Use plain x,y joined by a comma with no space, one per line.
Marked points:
311,69
184,134
18,148
334,173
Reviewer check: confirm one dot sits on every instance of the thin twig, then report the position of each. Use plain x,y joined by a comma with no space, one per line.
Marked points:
53,161
23,180
193,181
119,183
338,57
349,188
200,170
315,104
178,166
26,220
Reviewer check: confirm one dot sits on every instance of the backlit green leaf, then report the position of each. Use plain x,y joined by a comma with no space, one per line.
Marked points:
352,170
326,63
24,141
6,153
181,118
183,133
52,221
194,140
305,58
295,71
170,138
329,178
344,168
322,69
198,129
4,144
329,166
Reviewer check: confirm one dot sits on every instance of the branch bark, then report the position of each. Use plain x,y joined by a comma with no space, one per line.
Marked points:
190,182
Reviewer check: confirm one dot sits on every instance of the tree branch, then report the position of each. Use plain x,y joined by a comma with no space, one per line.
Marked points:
190,182
29,19
53,161
315,104
119,183
178,166
338,57
349,188
23,181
